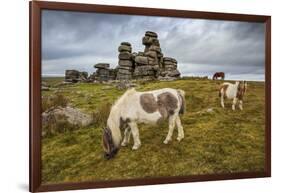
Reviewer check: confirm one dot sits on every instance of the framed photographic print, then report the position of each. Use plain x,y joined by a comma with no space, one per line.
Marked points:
123,96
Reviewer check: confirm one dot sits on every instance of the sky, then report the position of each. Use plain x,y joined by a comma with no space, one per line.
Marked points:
77,40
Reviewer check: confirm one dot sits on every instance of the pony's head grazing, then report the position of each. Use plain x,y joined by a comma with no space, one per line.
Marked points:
241,90
112,134
108,144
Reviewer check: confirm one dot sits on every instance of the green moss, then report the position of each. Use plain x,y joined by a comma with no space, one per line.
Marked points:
219,142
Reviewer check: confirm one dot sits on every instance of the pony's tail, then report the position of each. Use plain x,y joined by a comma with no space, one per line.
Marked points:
181,94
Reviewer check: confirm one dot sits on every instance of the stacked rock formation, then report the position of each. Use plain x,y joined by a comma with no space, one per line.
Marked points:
152,48
112,74
125,63
102,72
75,76
147,65
169,68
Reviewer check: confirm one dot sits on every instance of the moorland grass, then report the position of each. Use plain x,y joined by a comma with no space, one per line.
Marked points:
220,141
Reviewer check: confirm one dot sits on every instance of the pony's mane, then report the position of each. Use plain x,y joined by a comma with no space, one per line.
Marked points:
113,121
122,97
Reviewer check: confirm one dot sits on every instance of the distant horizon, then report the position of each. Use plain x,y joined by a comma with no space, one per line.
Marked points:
231,77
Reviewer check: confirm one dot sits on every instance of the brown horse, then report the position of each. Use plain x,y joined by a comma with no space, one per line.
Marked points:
218,75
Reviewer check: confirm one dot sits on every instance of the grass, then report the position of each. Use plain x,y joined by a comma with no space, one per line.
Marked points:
223,141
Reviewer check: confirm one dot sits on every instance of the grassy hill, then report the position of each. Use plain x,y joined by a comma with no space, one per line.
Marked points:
221,141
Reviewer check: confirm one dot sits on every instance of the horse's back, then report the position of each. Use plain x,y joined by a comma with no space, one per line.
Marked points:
229,89
160,91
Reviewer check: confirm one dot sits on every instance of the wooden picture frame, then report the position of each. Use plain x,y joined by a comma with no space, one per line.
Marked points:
35,94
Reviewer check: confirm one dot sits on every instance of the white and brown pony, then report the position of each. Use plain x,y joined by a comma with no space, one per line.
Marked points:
235,92
149,107
218,75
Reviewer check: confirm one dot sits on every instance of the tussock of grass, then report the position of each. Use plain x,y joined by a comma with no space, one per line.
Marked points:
57,125
100,116
55,100
222,141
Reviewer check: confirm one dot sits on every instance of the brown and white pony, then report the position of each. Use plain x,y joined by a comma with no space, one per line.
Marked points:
218,75
233,91
149,107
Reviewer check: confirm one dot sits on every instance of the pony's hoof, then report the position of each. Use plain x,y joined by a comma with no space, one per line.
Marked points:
124,144
166,141
179,138
135,147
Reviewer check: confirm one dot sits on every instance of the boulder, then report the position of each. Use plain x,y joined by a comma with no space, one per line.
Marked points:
102,65
134,54
124,71
143,60
170,69
151,34
72,73
169,63
72,76
151,54
144,71
146,40
102,74
156,42
121,76
154,64
153,61
160,55
125,48
125,56
125,68
174,73
55,118
155,48
128,63
102,71
126,43
112,74
165,59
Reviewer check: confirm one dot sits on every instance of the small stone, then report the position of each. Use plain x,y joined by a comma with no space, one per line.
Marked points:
124,48
151,34
126,43
102,65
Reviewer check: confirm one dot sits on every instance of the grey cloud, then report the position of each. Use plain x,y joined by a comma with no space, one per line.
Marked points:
78,40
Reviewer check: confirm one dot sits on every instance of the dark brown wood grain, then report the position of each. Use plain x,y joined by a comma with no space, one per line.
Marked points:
35,93
35,96
149,181
268,97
